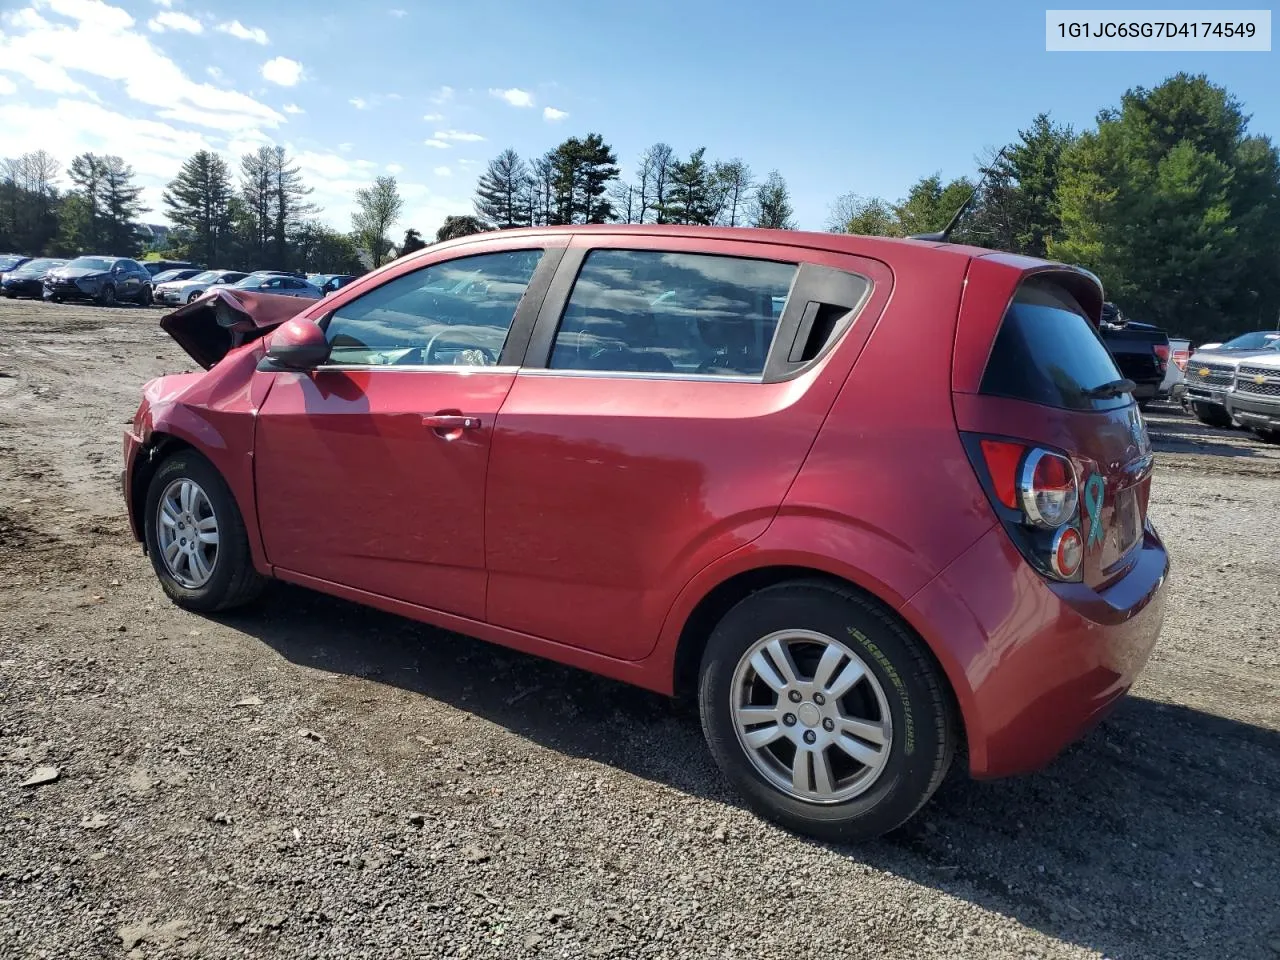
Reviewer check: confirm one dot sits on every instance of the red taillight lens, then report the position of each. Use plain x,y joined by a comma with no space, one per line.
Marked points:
1067,553
1047,489
1002,459
1162,351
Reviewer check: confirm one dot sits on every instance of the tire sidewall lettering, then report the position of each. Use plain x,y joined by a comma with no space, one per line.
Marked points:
909,738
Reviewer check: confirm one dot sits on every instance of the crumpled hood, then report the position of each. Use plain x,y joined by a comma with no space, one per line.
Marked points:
224,319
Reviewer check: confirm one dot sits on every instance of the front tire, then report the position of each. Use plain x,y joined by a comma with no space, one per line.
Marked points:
107,297
1210,415
196,537
1267,435
194,297
825,713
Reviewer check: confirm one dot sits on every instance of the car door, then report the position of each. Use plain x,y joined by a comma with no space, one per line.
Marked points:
672,390
370,470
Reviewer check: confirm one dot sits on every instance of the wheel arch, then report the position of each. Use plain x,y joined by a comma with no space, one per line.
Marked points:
728,592
159,446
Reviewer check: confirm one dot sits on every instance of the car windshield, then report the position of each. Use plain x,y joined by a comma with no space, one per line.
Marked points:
207,277
1258,340
37,266
90,263
166,275
254,280
8,263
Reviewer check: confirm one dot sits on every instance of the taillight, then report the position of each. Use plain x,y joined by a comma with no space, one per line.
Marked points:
1066,553
1035,493
1162,356
1047,489
1180,357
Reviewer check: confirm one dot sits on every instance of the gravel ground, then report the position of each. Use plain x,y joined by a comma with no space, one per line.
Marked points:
312,779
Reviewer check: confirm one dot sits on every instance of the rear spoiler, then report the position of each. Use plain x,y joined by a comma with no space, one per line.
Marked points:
223,319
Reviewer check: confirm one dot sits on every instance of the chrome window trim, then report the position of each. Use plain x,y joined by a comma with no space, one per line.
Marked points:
638,375
414,368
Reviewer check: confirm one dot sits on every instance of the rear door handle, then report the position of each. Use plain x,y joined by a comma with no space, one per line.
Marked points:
450,421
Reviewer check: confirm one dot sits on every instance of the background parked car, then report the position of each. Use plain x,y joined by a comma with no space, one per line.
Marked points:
28,279
1211,373
169,276
194,287
329,282
1255,401
160,266
104,279
1140,350
281,283
11,261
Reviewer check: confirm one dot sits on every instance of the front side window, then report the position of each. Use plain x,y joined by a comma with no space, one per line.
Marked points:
453,313
679,313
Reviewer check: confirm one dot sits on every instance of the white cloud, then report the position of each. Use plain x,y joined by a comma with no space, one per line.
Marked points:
515,96
238,30
100,42
168,20
433,117
283,71
552,114
163,3
293,108
460,136
358,103
468,163
394,168
394,96
214,72
398,13
442,96
346,147
7,86
442,172
438,144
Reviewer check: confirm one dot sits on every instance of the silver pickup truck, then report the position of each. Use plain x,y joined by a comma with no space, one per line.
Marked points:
1210,378
1255,401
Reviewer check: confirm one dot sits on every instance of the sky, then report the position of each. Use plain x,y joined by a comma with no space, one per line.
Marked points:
837,96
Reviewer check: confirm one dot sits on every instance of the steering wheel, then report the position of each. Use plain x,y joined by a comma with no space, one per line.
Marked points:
459,339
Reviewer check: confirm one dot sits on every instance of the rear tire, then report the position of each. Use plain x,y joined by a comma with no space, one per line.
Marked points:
145,297
189,490
883,744
1210,415
1267,435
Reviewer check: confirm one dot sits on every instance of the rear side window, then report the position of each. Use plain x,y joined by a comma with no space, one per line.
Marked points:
676,313
1047,352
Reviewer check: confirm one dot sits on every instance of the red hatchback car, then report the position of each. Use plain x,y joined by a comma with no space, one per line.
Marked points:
868,500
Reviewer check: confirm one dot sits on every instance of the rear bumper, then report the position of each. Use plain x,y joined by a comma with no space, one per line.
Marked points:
1036,665
1254,411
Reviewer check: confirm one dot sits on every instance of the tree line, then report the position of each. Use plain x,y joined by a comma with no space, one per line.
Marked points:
579,182
1168,198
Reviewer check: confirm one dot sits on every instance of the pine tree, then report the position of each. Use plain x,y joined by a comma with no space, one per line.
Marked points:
199,200
501,192
289,205
82,228
121,206
256,196
581,171
690,198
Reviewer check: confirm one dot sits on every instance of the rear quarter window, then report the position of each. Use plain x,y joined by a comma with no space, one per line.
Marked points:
1047,352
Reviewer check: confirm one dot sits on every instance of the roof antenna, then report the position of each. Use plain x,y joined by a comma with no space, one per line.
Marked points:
945,234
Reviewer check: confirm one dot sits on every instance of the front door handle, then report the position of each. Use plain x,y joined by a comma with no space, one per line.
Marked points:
449,422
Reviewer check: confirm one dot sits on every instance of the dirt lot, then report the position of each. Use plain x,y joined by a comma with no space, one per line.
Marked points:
311,779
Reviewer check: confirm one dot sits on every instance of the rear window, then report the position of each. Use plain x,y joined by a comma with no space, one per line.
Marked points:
1047,352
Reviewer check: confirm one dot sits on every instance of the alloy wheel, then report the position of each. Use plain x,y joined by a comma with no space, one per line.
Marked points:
811,716
187,533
